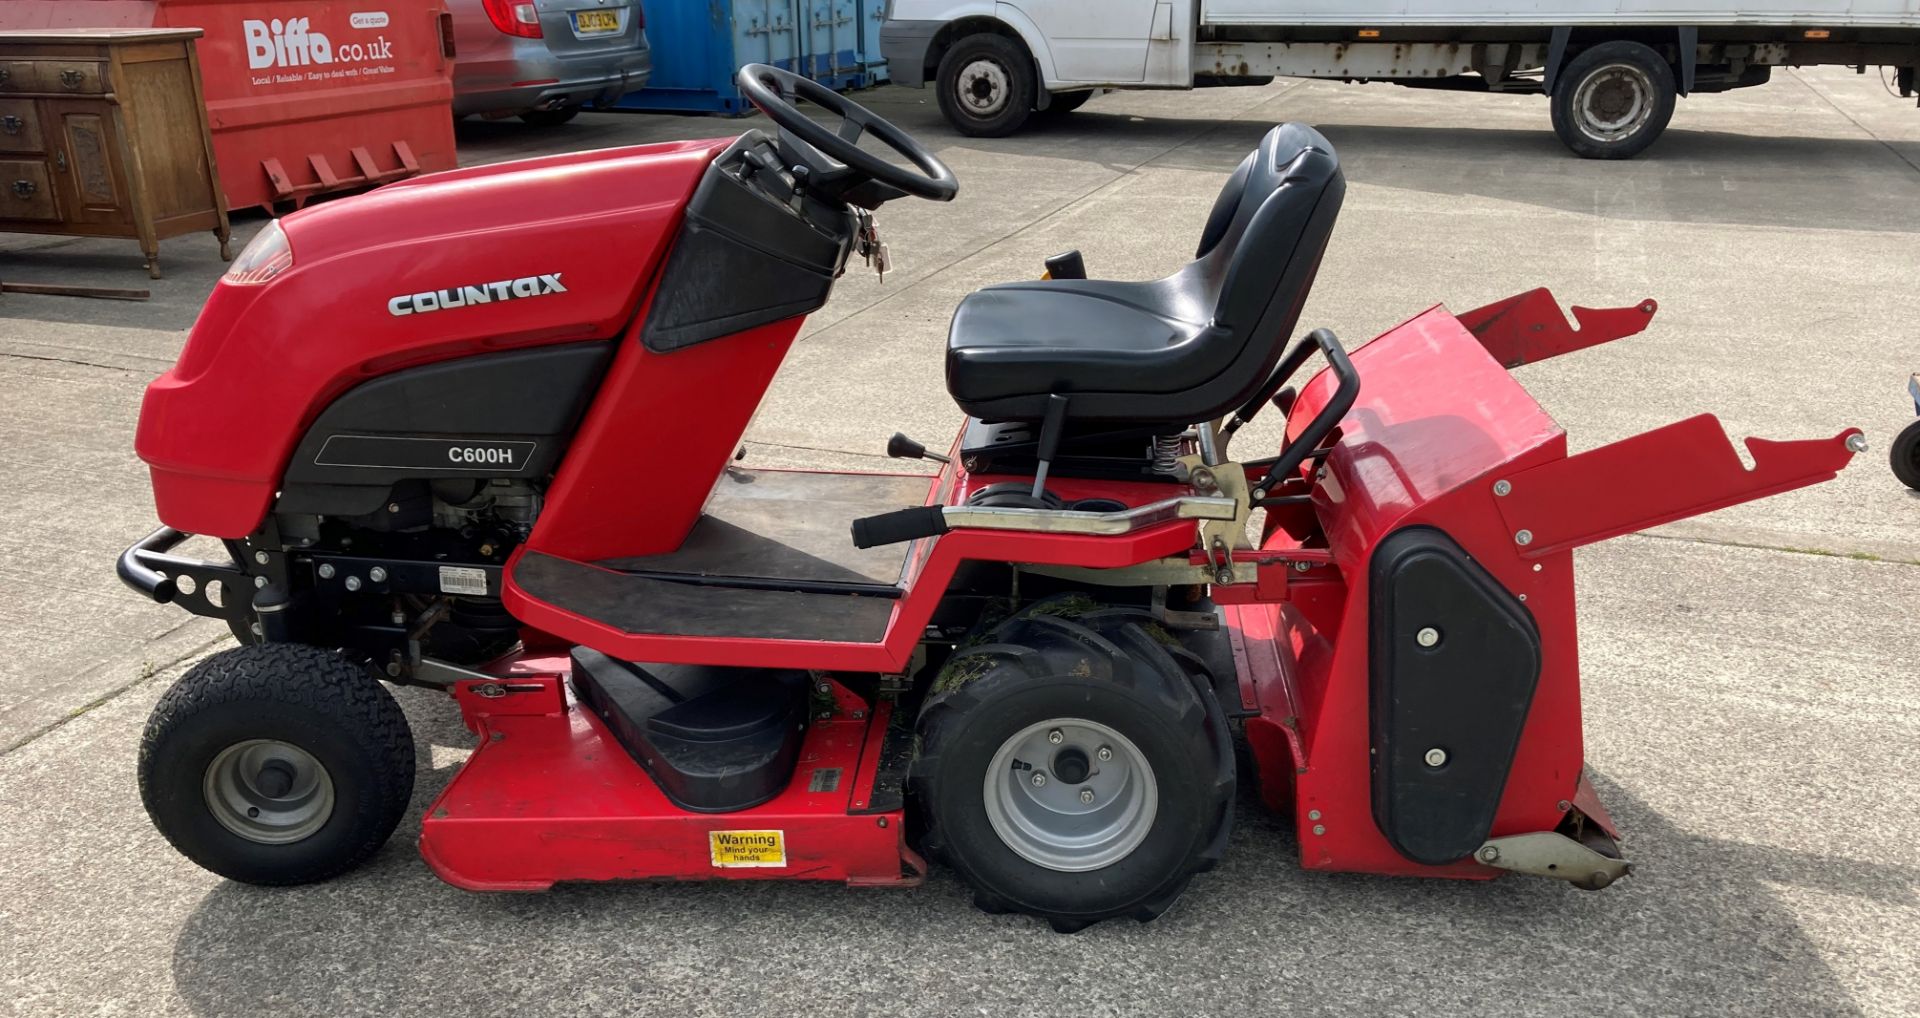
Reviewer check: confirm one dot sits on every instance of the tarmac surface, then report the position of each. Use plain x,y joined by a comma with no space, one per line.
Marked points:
1750,720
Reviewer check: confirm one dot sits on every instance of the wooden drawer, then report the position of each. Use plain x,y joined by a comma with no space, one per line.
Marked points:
25,192
19,76
74,77
19,126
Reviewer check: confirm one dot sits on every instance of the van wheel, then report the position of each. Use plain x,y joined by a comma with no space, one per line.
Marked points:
1073,765
987,85
278,764
1613,100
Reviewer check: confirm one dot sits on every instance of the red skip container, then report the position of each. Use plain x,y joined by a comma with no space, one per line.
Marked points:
304,96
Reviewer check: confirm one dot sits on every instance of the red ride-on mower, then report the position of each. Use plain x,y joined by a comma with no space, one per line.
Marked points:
475,431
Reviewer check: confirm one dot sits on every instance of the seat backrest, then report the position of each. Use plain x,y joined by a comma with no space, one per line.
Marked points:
1262,245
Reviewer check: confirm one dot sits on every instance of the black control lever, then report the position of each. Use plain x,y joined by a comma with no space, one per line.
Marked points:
1067,265
901,447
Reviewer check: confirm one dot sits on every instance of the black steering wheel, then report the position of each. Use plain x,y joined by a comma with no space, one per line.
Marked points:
773,90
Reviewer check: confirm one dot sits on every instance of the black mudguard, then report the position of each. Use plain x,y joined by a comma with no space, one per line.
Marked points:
1467,695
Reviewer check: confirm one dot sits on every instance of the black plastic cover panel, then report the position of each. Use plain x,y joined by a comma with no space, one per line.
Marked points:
714,739
1466,695
491,415
742,259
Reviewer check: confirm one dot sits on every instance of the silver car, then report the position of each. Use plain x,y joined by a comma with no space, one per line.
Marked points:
544,59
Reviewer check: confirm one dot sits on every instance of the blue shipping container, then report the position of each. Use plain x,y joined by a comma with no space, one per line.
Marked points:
699,44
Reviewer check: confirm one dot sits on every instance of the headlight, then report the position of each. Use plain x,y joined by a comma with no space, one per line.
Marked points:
267,255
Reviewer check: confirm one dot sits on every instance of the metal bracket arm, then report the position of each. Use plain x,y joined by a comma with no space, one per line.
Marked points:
1073,521
1684,469
1529,327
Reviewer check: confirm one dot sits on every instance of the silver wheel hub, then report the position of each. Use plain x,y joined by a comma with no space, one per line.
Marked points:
1613,102
269,792
983,88
1078,802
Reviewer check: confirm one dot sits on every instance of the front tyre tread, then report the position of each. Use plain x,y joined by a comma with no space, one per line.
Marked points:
309,697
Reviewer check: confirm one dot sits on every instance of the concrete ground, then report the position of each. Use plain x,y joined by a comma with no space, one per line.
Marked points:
1748,674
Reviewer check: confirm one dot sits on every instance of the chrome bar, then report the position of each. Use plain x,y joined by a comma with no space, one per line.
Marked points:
1209,449
1071,521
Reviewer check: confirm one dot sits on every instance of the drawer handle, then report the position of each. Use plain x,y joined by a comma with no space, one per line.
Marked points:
25,188
11,124
72,78
5,73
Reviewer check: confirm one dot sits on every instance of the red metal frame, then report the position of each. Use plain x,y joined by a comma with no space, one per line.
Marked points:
1528,327
1438,425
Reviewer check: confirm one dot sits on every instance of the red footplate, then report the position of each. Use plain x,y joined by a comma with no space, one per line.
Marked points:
550,796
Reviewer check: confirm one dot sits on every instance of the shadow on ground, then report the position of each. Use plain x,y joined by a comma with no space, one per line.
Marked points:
1699,930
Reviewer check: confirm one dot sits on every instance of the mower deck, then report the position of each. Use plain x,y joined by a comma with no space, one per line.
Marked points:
550,795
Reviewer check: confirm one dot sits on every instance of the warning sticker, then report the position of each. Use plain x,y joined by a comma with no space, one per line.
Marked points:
463,580
748,848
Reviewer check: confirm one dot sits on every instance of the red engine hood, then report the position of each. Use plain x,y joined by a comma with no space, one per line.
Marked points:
263,360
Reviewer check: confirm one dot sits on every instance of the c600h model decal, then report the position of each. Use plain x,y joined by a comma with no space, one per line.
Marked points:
479,293
392,452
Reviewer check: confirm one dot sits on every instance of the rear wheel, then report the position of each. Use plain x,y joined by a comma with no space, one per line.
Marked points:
1073,766
1613,100
276,764
1905,456
550,118
987,85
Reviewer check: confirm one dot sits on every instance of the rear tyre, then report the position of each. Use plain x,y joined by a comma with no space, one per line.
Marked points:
276,764
550,118
1074,766
1905,456
1613,100
987,85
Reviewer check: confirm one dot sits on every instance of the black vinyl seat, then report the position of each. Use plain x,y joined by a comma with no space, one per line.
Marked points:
1191,347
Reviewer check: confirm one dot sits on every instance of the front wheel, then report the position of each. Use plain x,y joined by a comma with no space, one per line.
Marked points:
1073,766
1613,100
276,764
987,85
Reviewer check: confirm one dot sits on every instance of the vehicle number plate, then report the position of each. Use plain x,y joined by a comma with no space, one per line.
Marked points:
596,22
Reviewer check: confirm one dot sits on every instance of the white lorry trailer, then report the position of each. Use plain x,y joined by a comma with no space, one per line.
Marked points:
1612,68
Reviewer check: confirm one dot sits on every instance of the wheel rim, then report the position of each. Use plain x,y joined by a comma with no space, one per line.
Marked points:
268,791
982,88
1089,808
1613,102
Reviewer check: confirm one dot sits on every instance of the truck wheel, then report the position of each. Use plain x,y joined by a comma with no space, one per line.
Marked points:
276,764
1073,766
1613,100
1905,455
987,85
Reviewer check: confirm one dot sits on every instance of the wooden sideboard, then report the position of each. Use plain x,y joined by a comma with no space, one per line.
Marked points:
103,133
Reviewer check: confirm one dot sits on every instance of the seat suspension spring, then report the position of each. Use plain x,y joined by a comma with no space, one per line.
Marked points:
1166,454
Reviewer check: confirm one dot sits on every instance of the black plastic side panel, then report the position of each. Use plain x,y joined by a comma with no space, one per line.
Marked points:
741,260
1466,696
491,415
714,739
